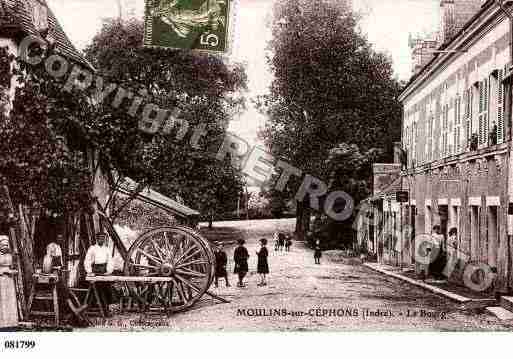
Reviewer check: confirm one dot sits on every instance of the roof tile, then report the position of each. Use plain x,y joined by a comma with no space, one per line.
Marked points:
18,14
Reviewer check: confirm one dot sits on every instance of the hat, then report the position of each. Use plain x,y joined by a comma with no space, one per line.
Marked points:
241,241
263,241
101,235
3,239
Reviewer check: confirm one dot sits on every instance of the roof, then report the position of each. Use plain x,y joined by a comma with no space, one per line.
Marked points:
18,19
484,7
150,196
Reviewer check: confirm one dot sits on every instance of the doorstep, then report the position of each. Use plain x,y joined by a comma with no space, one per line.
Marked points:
466,302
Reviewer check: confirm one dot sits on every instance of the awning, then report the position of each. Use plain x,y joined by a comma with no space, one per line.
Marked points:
150,196
389,192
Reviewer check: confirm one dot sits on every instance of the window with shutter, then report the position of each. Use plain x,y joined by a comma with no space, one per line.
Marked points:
446,130
468,116
486,111
500,106
483,113
457,143
480,117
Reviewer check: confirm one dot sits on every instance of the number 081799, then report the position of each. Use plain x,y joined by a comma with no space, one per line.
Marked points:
19,344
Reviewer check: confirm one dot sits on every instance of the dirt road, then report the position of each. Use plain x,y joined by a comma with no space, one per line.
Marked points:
339,294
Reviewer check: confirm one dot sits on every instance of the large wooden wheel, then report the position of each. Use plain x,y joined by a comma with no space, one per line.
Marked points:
177,253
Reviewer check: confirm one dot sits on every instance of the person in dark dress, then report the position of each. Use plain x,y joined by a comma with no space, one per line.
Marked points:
281,241
276,241
221,262
288,243
317,254
240,257
263,265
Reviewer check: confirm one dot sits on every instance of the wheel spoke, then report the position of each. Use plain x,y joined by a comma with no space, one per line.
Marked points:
149,256
186,258
144,266
198,261
157,250
186,255
189,284
191,273
168,246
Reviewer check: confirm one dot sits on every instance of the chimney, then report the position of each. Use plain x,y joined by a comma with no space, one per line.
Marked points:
422,52
454,14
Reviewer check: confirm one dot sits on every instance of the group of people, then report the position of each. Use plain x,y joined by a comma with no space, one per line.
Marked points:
241,267
440,249
282,241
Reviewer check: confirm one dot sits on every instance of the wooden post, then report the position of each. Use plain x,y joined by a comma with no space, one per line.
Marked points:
13,238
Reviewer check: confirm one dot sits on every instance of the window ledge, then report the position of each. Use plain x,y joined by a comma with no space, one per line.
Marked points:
461,157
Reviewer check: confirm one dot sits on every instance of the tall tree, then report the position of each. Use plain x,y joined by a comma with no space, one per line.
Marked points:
48,130
207,91
330,88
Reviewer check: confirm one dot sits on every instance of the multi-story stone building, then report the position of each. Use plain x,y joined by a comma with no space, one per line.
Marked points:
457,138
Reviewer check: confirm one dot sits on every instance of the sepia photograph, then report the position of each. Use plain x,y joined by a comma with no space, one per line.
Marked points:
255,166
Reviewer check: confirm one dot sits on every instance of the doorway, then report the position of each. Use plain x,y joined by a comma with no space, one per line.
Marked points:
493,236
443,212
474,232
413,215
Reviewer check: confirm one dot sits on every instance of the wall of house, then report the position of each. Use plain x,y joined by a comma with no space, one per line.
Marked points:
450,183
435,116
470,195
13,49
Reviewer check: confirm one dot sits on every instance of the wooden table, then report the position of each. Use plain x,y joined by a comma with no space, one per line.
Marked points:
93,299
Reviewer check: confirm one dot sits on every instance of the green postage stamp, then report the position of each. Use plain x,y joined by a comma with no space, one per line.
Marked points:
188,24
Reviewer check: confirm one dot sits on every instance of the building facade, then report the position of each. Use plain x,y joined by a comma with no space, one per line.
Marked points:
456,134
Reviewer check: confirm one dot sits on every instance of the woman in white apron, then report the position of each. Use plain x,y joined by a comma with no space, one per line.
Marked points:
8,306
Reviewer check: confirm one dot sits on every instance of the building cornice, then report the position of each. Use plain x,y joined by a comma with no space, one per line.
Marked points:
477,27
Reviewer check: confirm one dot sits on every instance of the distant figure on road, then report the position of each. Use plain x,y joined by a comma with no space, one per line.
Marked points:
240,257
288,243
221,262
281,241
263,265
317,254
276,241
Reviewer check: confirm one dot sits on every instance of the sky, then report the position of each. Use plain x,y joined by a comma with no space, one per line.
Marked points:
387,24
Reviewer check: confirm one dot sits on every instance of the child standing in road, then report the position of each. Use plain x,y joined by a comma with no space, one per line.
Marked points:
240,257
281,241
263,265
317,254
288,243
221,261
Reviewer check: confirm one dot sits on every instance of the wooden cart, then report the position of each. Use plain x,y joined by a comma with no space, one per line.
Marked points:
168,268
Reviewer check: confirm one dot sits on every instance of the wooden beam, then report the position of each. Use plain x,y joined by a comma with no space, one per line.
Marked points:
126,279
19,282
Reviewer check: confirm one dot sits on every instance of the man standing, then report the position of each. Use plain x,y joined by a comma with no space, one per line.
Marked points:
98,261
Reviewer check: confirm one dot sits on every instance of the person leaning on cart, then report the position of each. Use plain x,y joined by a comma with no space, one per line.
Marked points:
98,261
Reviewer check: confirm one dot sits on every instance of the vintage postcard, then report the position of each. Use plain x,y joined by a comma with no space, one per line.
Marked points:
345,166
